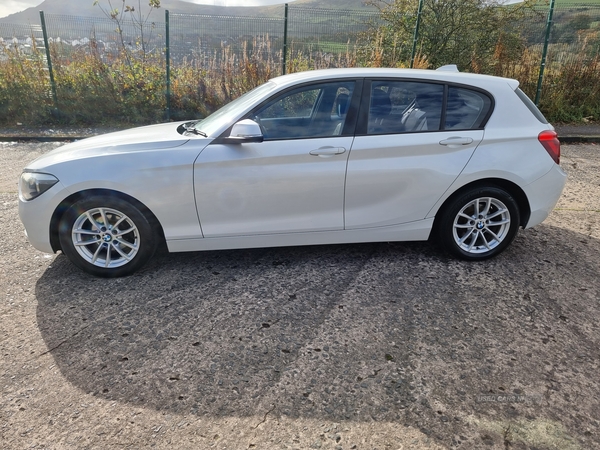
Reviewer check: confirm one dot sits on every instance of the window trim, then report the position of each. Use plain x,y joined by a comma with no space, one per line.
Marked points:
363,114
481,91
351,116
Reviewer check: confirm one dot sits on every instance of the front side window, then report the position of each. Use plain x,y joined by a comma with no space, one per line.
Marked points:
298,104
230,112
306,112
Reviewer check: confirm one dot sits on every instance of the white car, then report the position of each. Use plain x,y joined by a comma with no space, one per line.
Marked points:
319,157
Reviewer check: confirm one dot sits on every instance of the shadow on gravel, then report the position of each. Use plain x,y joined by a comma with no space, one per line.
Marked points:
504,351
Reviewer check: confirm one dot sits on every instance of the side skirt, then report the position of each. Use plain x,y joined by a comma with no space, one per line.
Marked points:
412,231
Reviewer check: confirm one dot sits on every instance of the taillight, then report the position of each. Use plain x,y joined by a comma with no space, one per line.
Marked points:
549,139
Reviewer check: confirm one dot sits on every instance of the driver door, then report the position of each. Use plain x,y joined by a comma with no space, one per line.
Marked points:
291,182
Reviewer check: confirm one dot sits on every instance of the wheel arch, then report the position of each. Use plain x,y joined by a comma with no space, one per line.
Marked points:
513,189
60,210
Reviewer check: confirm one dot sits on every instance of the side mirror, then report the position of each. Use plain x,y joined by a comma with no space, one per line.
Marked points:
246,130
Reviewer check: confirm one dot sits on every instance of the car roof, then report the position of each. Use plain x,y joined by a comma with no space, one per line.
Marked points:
425,74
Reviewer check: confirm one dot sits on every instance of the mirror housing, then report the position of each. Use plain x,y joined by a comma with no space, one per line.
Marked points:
244,131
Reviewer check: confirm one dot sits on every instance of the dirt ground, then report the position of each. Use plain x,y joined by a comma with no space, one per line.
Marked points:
375,346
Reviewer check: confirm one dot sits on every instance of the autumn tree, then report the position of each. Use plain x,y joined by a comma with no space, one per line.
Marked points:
462,32
139,19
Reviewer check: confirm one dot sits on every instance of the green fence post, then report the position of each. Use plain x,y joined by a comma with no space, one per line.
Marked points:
168,63
50,71
416,34
538,92
285,38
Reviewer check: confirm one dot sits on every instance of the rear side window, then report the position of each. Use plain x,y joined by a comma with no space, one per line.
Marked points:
404,107
531,106
415,106
466,109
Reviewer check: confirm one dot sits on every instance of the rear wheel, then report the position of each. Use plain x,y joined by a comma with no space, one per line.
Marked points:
479,224
107,236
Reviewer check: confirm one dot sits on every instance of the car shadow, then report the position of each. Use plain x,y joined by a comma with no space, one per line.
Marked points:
370,332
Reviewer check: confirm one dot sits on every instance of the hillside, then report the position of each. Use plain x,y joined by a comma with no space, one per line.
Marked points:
85,8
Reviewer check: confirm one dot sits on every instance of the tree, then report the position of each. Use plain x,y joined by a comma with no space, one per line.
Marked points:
138,18
135,77
462,32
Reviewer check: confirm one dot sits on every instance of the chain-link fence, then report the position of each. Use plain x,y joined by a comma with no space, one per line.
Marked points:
203,38
26,37
555,54
572,63
325,38
191,64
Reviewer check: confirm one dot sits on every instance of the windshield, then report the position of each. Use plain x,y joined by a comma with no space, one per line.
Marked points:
232,111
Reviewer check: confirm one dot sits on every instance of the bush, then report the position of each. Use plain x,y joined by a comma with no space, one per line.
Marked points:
24,91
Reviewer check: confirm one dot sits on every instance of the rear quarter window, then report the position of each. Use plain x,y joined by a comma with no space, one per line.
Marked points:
466,109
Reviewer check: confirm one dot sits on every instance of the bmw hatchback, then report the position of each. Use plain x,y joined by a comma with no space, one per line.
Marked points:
320,157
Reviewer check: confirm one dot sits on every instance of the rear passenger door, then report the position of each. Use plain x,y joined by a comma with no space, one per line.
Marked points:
413,139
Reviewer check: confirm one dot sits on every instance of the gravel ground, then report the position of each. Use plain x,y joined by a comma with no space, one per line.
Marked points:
375,346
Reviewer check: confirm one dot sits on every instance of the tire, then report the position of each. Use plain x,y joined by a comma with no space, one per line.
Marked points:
116,250
479,224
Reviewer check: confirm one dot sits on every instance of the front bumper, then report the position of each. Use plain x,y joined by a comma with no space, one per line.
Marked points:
36,216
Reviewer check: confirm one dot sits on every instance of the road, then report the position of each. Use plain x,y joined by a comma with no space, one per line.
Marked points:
373,346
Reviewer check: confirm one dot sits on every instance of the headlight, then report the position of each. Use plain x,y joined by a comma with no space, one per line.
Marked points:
32,184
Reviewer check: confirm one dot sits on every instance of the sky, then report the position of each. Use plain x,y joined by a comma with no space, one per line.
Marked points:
238,2
12,6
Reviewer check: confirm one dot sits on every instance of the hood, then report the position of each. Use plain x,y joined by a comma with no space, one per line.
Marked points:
148,138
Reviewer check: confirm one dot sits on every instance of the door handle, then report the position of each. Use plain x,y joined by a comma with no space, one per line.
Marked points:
456,141
326,152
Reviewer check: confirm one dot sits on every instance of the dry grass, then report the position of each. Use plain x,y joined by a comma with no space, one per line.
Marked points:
96,87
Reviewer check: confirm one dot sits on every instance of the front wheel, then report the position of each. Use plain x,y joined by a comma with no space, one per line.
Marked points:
107,236
479,224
